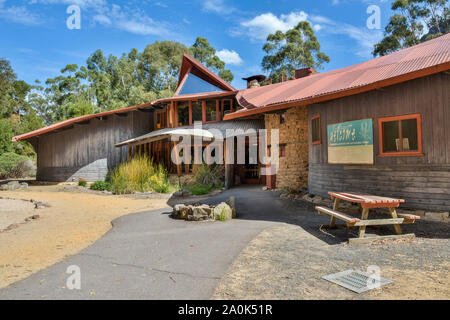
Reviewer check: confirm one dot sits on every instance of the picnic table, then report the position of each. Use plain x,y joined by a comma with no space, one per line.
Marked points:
366,203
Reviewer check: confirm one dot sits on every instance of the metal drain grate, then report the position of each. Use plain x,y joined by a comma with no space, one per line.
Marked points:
356,281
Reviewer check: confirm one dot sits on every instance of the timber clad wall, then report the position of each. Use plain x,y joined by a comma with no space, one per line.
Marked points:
293,170
88,151
423,181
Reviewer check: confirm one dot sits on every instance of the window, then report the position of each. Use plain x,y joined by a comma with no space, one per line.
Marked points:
316,130
183,114
197,114
161,120
401,136
194,84
227,107
282,150
211,111
282,118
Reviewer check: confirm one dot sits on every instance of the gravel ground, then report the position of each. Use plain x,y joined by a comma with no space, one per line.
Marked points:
14,212
287,261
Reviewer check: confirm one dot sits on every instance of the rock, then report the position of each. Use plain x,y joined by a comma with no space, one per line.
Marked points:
178,194
264,188
180,211
11,186
203,212
284,195
306,197
24,185
223,212
436,216
12,227
41,205
232,203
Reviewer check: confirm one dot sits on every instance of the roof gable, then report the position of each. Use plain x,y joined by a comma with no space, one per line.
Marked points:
192,71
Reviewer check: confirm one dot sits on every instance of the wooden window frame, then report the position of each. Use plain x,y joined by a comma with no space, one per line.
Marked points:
222,107
217,111
418,117
318,142
159,116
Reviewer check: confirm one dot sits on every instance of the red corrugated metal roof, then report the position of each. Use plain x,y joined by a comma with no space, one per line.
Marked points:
426,58
72,121
69,122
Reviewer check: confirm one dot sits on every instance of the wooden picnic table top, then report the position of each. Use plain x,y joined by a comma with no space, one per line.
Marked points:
367,201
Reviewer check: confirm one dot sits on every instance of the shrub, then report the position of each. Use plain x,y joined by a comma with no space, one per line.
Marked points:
82,183
13,165
140,175
213,175
101,186
200,189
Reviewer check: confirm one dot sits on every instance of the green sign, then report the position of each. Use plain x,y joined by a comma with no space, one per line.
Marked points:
351,142
354,133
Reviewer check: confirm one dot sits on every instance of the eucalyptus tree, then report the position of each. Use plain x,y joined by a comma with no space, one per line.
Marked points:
294,49
413,22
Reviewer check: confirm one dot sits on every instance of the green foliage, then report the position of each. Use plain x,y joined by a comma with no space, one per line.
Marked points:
101,186
200,189
6,134
406,26
296,48
13,165
140,175
206,54
82,183
213,175
206,179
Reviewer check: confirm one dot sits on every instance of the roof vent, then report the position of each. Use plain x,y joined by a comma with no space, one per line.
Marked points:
305,72
254,81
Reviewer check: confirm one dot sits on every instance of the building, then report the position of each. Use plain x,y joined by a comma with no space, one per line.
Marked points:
379,127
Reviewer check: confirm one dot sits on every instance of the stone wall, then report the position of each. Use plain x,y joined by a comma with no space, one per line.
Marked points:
293,170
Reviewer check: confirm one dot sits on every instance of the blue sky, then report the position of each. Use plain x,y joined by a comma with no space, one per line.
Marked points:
38,43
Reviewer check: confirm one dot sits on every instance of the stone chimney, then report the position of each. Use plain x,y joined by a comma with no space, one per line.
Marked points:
305,72
254,81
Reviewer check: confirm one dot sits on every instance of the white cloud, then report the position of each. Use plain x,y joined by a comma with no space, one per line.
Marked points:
364,37
136,22
217,6
18,14
102,19
81,3
230,57
261,26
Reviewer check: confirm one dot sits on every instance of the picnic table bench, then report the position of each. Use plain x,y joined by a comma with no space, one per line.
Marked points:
368,202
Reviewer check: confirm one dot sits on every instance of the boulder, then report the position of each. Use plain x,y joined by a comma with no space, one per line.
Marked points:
223,212
203,212
11,186
181,211
232,203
